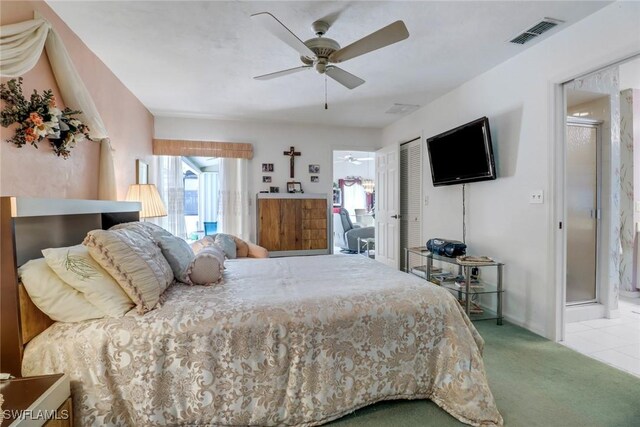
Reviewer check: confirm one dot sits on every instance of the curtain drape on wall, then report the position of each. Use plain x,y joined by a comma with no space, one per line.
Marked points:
233,199
208,197
21,46
168,177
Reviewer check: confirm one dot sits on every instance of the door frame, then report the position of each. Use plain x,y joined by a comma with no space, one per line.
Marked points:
369,149
596,124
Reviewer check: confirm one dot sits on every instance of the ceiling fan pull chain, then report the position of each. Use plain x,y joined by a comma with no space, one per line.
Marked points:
326,107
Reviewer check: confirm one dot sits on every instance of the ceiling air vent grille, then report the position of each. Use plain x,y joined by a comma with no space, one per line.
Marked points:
534,31
402,109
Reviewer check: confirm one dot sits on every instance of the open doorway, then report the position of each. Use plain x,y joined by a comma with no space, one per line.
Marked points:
353,202
601,176
200,177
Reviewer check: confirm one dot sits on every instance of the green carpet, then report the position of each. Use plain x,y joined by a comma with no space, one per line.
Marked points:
535,382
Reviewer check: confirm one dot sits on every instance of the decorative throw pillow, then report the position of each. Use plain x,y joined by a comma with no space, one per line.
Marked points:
256,251
242,248
146,228
178,254
206,268
54,297
134,261
77,269
227,244
199,245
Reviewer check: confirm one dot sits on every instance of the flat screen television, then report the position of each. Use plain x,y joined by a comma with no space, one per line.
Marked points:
462,155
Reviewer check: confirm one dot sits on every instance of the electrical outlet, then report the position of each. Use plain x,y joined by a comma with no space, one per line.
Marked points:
536,197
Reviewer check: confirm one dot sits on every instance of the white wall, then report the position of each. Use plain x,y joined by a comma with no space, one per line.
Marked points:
270,140
518,98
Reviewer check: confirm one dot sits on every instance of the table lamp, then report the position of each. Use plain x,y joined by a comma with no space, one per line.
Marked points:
148,196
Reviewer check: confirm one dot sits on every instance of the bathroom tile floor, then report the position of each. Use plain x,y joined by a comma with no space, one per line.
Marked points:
615,342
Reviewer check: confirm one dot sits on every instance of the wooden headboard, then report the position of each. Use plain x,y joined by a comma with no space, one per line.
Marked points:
27,226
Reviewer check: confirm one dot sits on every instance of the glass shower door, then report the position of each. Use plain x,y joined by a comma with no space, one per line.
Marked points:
582,211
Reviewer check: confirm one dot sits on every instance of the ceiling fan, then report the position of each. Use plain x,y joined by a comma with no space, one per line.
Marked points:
322,52
354,160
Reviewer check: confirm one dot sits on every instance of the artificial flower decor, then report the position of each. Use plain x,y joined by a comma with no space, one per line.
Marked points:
39,118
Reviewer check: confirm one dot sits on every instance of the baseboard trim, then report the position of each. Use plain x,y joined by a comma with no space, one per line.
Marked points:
630,294
579,313
524,325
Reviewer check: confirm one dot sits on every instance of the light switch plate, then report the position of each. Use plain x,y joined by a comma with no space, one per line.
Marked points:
536,197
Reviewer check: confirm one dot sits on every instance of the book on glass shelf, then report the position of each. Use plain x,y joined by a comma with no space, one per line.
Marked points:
474,285
473,308
445,277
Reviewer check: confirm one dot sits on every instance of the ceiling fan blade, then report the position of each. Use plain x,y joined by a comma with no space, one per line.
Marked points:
390,34
278,29
343,77
364,158
282,73
355,162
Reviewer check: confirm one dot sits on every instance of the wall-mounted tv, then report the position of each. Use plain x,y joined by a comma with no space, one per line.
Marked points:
462,155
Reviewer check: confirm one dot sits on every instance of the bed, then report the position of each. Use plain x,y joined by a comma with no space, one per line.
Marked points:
284,341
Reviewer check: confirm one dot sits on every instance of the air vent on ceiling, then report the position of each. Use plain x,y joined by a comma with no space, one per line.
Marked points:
535,30
402,109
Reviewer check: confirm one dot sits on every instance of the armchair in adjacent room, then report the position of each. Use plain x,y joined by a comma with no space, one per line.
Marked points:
346,233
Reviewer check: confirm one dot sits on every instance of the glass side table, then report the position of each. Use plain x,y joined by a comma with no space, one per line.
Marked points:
465,290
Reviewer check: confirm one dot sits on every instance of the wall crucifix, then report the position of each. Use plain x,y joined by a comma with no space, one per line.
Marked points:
292,153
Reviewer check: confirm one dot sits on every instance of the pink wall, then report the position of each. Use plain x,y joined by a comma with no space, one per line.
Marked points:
39,173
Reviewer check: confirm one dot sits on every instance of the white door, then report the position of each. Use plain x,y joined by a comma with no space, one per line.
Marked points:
388,206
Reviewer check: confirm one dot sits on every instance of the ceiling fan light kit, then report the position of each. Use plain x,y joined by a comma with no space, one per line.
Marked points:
321,52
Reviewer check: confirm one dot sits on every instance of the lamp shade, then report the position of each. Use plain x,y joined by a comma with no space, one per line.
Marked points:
147,195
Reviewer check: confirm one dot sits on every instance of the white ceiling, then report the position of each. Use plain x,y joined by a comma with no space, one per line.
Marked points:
197,59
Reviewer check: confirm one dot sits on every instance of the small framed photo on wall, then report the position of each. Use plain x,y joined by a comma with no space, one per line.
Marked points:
267,167
142,172
266,179
314,168
315,178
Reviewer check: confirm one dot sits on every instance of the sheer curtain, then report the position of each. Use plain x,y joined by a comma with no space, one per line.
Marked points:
233,198
354,198
168,177
208,197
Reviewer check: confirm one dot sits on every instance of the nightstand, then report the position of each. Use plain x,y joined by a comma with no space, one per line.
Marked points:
37,401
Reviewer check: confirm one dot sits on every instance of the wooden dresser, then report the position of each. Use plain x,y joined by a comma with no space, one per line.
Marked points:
293,224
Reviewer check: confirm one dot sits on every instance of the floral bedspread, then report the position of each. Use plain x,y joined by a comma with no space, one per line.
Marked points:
288,341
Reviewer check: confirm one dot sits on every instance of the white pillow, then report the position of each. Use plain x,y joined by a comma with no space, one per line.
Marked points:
76,268
134,261
54,297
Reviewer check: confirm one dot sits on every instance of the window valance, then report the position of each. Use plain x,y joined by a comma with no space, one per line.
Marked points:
177,147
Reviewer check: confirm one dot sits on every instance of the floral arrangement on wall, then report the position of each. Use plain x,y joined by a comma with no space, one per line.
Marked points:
39,118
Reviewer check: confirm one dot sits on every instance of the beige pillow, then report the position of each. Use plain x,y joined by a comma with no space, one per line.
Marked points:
242,248
54,297
256,251
206,268
147,228
136,263
199,245
78,269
